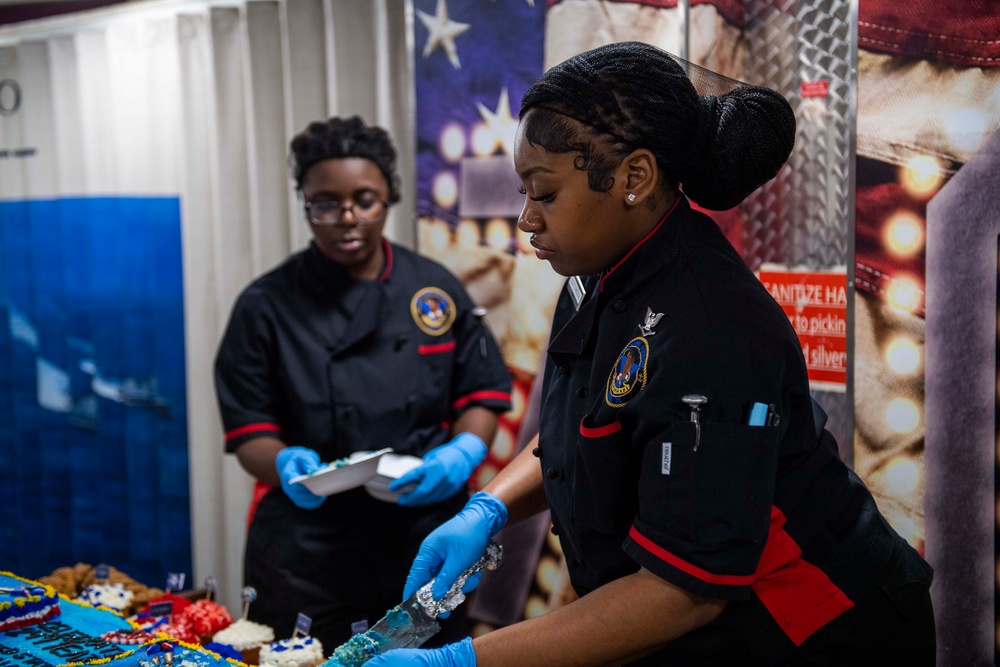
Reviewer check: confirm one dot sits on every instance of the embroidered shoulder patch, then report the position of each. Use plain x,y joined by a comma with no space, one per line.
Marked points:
432,310
628,375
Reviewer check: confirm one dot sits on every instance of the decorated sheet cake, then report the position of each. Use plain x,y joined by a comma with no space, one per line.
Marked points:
24,603
69,633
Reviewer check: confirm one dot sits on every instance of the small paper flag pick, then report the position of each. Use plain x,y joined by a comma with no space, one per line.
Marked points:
302,624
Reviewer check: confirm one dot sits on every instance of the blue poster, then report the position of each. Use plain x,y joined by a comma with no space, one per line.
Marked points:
93,463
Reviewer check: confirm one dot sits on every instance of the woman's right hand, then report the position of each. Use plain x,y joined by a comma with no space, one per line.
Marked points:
456,545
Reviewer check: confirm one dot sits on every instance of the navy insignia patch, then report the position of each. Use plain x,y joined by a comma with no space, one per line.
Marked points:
433,310
629,373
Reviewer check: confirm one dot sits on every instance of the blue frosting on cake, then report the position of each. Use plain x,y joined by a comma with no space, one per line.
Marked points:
74,636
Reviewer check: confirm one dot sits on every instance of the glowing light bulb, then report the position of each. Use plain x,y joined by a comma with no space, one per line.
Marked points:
904,234
480,629
535,606
922,175
503,444
452,143
484,140
467,233
484,474
904,294
902,415
902,475
436,235
518,402
547,574
498,233
445,189
902,355
907,529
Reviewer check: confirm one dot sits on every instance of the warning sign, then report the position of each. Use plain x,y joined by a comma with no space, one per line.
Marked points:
816,305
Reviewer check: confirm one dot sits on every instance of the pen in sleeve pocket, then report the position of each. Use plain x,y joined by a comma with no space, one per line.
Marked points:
760,414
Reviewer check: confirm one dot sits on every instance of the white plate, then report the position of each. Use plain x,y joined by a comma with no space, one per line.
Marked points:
343,475
390,467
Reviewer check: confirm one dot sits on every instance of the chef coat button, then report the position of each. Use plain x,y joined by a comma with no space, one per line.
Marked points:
555,531
537,452
552,473
619,306
582,392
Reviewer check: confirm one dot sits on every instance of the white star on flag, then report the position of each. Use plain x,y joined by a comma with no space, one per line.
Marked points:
443,32
500,122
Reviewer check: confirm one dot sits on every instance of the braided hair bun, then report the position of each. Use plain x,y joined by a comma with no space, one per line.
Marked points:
717,147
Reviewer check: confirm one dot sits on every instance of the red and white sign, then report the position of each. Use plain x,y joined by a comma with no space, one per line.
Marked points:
816,305
819,88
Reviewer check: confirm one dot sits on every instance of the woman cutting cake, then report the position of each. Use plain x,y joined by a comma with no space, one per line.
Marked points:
698,530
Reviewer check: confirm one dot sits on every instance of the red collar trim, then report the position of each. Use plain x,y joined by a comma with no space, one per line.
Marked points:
388,260
636,246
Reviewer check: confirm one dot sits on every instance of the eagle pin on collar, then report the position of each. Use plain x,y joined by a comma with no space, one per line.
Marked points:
651,321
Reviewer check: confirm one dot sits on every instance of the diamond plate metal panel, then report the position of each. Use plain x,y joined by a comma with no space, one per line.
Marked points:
804,217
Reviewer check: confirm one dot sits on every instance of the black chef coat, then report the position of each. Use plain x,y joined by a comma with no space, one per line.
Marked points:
767,517
340,366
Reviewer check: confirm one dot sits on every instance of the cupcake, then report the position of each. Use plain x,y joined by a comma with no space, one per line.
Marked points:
113,596
177,604
207,618
294,652
246,637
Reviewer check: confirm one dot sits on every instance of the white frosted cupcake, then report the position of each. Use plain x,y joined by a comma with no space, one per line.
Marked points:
113,596
246,637
294,652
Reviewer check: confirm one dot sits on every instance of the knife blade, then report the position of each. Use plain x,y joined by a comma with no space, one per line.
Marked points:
413,621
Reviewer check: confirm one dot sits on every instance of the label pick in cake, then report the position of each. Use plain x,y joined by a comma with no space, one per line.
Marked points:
302,624
175,581
210,586
161,609
102,572
248,594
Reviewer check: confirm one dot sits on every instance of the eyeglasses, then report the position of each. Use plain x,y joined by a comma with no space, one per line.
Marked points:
365,211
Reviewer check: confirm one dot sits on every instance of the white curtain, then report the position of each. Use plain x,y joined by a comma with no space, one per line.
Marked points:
200,100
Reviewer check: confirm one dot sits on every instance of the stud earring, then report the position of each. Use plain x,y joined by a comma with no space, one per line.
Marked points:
631,198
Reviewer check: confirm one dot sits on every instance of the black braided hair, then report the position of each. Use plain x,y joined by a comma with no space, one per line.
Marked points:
631,95
343,138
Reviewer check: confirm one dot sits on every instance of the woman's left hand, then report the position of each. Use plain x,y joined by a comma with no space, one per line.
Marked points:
444,471
459,654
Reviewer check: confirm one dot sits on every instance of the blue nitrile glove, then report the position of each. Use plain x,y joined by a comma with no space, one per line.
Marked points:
459,654
455,545
292,462
444,471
